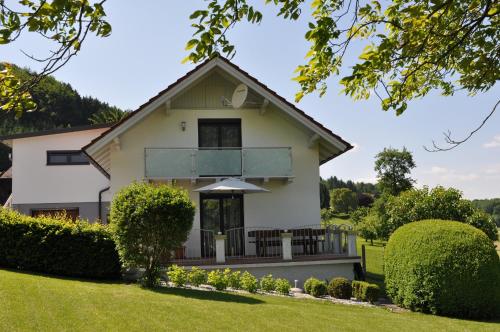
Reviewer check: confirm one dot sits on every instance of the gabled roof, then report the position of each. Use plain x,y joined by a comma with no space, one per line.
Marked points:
218,62
53,131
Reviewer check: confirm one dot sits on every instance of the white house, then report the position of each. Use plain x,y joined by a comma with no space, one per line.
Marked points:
50,173
216,122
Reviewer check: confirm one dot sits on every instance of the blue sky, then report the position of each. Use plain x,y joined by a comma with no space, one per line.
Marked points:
143,55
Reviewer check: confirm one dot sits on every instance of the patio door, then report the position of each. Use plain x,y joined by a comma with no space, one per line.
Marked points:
222,213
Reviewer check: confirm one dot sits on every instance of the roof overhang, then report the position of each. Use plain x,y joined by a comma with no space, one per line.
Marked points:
332,142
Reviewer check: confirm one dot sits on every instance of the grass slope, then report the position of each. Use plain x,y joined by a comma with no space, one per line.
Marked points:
32,302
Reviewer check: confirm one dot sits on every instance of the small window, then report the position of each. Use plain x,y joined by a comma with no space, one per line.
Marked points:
74,157
71,213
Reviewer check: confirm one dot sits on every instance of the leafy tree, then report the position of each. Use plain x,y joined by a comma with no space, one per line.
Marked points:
438,203
359,214
65,24
150,221
324,195
490,206
411,47
359,187
365,199
343,200
111,115
393,167
369,228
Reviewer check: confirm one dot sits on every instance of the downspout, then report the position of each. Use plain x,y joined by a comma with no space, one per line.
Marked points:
100,201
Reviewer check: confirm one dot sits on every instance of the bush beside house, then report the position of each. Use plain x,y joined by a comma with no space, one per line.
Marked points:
445,268
149,222
57,246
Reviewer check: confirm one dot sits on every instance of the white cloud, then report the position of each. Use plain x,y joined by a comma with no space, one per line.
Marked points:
438,170
446,174
495,143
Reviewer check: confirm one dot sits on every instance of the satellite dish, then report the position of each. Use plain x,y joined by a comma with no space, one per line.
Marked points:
239,96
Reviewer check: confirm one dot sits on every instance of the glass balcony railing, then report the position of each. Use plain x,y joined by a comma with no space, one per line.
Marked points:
184,163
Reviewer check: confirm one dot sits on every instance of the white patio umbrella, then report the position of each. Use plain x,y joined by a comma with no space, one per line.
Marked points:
232,185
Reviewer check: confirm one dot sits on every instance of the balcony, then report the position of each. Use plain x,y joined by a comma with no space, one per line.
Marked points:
192,163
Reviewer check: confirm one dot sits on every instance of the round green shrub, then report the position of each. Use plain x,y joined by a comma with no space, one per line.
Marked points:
370,293
197,276
282,286
177,275
318,288
267,283
248,282
340,288
217,279
308,283
445,268
365,291
150,221
233,278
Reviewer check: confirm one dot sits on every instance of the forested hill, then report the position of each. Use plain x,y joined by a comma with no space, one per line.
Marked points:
58,105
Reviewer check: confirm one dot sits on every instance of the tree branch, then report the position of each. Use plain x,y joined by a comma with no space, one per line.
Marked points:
454,143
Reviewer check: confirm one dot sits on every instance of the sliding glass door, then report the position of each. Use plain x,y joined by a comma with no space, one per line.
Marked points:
224,214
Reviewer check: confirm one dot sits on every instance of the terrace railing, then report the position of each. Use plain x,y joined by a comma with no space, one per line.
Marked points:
267,243
189,163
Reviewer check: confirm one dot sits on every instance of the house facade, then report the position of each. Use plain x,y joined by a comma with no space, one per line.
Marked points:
50,174
192,135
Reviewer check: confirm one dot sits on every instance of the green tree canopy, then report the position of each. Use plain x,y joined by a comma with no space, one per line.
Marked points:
150,221
65,24
343,200
393,168
438,203
410,47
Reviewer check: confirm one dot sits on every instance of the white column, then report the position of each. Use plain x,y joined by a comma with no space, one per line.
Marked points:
220,248
286,244
351,243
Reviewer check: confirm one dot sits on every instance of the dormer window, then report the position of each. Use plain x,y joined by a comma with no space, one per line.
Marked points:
66,157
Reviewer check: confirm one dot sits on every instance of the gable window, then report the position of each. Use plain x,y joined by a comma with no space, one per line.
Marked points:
219,133
66,157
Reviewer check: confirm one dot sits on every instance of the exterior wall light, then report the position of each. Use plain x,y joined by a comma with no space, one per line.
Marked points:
183,125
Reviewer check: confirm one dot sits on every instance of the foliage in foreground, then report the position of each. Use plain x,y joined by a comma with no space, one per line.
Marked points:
73,305
149,222
408,48
57,246
445,268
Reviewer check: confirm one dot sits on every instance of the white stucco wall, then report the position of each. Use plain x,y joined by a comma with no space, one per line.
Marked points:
34,182
287,205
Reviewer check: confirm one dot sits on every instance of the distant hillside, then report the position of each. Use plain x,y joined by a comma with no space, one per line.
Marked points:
58,105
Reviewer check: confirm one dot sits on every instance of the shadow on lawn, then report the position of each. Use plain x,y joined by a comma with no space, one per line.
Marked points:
208,295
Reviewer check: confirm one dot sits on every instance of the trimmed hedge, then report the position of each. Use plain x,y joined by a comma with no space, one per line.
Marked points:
57,246
445,268
365,291
340,288
315,287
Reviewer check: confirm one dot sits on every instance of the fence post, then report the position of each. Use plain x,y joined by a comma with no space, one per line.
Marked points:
351,243
363,258
220,248
286,241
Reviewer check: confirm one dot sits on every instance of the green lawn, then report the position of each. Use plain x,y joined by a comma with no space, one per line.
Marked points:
39,303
